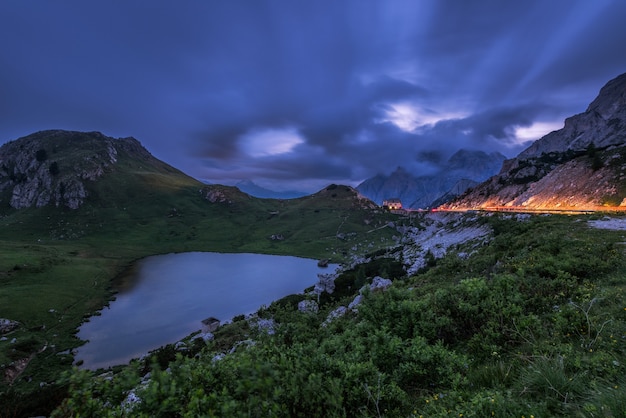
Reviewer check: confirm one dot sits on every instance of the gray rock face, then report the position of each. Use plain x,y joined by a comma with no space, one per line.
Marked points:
379,284
603,124
52,167
326,283
214,195
337,313
308,306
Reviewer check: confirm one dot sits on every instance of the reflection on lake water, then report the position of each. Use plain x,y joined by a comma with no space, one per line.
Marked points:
166,297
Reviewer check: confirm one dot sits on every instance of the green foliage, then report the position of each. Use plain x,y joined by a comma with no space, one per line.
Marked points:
528,327
54,168
41,155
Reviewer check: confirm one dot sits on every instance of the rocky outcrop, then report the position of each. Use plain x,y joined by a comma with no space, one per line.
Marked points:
308,306
439,232
603,124
54,167
7,325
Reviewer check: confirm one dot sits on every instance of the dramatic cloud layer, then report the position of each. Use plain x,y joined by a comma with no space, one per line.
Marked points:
298,94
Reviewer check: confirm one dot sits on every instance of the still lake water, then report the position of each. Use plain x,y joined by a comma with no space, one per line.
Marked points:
166,297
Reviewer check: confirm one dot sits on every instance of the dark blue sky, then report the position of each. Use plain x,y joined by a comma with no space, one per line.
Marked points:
297,94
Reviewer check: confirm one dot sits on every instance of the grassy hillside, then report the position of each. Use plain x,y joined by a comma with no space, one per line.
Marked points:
58,264
531,323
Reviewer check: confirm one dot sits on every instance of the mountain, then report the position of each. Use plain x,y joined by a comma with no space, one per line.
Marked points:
253,189
579,167
64,185
465,167
66,168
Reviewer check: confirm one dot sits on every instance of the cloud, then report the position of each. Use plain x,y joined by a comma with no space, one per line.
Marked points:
269,142
307,92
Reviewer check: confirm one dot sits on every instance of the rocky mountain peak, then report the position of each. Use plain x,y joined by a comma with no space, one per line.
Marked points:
54,166
602,124
579,167
421,191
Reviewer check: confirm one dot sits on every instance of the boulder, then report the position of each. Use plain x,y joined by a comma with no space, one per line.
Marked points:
326,284
380,284
308,306
7,325
355,302
337,313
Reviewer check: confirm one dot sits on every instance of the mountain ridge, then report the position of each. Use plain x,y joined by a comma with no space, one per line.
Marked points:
426,190
579,167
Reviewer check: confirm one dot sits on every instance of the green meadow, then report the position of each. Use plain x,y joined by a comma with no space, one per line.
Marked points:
58,265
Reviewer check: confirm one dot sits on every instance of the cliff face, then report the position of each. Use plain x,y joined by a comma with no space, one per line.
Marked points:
582,166
54,167
602,124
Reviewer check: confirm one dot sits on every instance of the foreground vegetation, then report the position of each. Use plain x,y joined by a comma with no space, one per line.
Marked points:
531,323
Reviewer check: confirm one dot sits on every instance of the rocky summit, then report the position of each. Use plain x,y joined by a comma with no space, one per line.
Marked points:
57,167
463,169
579,167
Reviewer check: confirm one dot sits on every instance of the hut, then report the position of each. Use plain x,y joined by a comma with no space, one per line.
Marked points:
392,204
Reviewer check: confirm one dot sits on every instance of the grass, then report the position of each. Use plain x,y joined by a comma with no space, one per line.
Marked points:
58,265
532,324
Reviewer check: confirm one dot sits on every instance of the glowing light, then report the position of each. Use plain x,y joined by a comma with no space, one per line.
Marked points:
409,117
535,131
270,141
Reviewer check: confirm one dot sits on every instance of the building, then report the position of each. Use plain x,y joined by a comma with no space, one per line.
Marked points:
392,204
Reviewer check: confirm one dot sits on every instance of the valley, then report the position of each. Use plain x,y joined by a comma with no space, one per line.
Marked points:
507,300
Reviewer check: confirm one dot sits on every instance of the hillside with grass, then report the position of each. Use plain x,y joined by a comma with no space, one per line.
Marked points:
527,321
59,262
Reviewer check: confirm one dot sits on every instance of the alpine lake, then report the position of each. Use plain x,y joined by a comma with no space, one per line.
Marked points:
164,298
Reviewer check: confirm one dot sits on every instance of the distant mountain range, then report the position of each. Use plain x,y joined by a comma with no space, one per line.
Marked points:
253,189
579,167
464,169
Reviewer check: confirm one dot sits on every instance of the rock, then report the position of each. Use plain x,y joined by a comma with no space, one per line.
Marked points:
337,313
33,178
205,336
7,325
265,325
355,302
131,401
308,306
380,284
214,195
326,284
323,262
